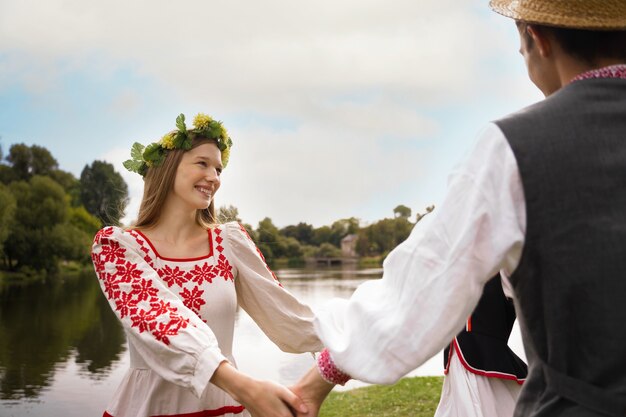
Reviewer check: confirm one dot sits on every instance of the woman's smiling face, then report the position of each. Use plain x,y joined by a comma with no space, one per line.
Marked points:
198,176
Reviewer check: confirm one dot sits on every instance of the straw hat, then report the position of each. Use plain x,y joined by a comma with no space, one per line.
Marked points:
580,14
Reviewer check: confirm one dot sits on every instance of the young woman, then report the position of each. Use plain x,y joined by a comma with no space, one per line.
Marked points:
175,280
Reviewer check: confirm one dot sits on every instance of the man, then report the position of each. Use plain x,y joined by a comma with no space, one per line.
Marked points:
542,198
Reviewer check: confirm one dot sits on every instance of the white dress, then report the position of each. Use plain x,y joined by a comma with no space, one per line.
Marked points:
179,318
468,392
465,394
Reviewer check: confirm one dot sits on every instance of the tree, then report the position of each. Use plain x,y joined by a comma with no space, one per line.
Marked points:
41,206
19,158
70,184
302,232
103,192
7,214
80,218
342,228
328,250
402,211
228,214
322,235
269,240
27,161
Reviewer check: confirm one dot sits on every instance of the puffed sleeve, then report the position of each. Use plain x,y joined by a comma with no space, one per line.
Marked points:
171,339
285,320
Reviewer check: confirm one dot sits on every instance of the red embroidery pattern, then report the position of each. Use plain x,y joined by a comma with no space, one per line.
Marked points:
144,290
171,328
124,286
143,246
172,276
224,268
112,252
329,371
127,271
199,275
106,232
193,299
613,71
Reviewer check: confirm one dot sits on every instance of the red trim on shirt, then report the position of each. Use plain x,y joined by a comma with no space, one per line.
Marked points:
233,409
489,374
450,351
210,239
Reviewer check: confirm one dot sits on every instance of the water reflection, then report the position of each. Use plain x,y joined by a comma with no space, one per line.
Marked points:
43,324
63,352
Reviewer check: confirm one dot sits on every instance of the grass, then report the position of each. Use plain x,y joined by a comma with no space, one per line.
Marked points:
414,397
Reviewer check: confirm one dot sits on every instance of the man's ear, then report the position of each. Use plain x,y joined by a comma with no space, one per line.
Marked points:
541,40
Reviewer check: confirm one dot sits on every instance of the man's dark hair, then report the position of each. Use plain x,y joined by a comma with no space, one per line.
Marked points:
587,45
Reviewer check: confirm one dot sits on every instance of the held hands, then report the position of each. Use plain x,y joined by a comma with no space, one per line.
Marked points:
261,398
312,389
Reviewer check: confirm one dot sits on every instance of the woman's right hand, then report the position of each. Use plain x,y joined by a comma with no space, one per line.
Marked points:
261,398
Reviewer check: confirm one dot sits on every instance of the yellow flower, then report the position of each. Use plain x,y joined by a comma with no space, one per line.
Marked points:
167,141
224,132
225,157
202,121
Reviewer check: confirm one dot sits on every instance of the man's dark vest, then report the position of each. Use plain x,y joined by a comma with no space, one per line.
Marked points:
482,347
570,285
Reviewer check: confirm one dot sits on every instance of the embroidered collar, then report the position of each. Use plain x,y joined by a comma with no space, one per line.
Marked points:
614,71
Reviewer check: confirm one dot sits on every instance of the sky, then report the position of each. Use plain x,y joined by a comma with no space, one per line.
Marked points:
336,109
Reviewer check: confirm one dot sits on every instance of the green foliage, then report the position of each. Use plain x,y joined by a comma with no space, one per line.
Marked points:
40,201
328,250
27,161
269,240
410,397
7,214
321,235
72,243
292,247
228,214
41,212
70,184
136,164
80,218
7,174
302,232
382,236
41,206
103,192
154,153
402,211
19,158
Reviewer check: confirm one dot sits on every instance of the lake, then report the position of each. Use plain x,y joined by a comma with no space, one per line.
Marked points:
63,353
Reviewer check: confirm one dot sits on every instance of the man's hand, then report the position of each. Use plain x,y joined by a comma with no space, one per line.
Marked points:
312,390
261,398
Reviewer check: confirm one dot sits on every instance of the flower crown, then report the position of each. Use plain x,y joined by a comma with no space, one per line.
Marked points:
154,154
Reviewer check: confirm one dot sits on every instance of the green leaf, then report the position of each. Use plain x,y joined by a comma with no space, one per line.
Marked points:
133,165
154,153
180,123
136,151
182,141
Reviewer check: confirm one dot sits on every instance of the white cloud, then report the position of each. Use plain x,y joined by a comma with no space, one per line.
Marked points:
358,83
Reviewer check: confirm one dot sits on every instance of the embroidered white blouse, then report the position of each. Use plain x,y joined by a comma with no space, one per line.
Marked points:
179,317
432,281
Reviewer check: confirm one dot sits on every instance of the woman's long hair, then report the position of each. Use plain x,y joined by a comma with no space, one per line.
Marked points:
158,183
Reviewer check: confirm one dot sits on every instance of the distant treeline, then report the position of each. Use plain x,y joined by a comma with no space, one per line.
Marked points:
48,216
295,243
